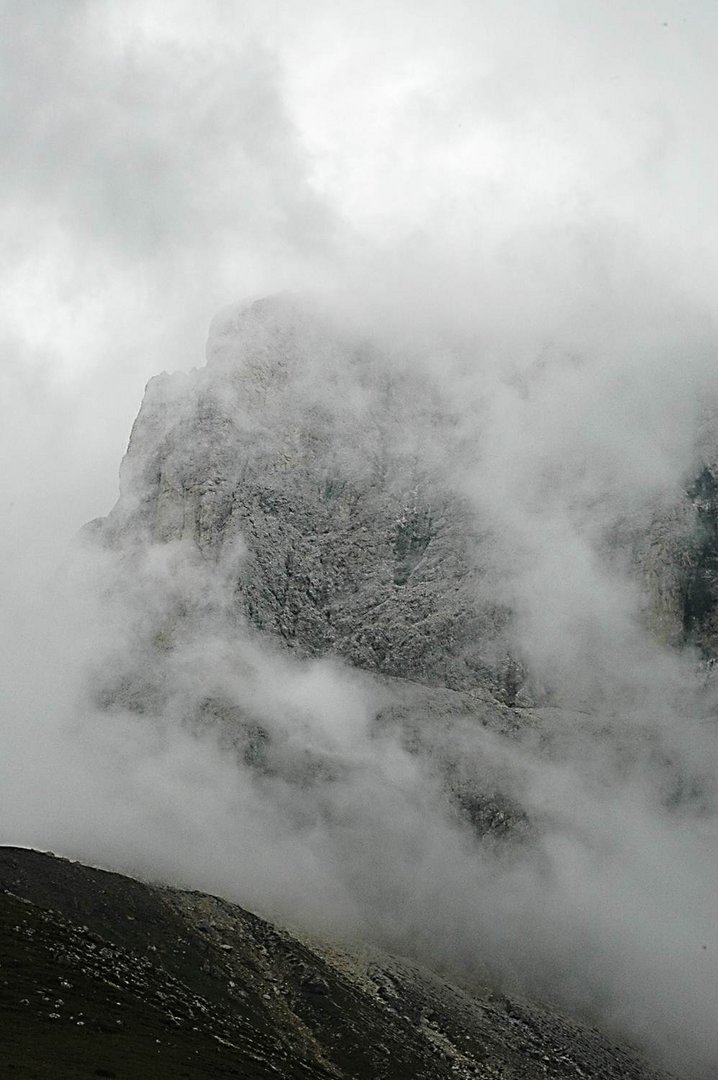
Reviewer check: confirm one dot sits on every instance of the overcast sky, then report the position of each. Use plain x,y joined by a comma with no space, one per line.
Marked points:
496,158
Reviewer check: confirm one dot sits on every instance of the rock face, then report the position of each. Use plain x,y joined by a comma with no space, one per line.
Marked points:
318,477
676,560
300,489
326,482
106,976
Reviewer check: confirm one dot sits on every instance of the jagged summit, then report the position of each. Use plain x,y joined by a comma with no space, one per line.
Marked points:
269,327
301,446
338,472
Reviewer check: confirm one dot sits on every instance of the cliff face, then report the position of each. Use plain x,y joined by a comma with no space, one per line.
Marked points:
321,481
302,490
297,457
676,560
298,491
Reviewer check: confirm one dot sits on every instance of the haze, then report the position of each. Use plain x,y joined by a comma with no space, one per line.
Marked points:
517,199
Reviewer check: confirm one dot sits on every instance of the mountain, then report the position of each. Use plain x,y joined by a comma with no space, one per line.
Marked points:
331,470
105,976
350,657
326,479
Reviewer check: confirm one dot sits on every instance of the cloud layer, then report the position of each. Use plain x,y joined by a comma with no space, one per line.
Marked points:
516,197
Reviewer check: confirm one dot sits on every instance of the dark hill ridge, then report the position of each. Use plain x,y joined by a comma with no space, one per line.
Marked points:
102,975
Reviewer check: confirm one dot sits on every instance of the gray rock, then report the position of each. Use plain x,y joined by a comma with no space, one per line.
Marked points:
319,486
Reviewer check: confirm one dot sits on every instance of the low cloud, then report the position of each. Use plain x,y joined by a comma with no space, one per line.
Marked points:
506,204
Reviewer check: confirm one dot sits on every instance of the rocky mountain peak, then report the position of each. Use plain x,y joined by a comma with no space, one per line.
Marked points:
300,443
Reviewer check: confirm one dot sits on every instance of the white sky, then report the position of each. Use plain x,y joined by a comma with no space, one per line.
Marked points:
162,158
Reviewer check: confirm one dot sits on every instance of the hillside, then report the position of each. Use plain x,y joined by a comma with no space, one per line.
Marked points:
102,975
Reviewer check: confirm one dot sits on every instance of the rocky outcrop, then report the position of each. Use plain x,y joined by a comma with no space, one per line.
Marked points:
106,976
317,475
677,560
319,484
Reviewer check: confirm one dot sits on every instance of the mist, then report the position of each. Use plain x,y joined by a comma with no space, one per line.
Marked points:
509,202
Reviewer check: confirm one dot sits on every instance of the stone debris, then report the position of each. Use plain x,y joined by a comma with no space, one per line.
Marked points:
272,1005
